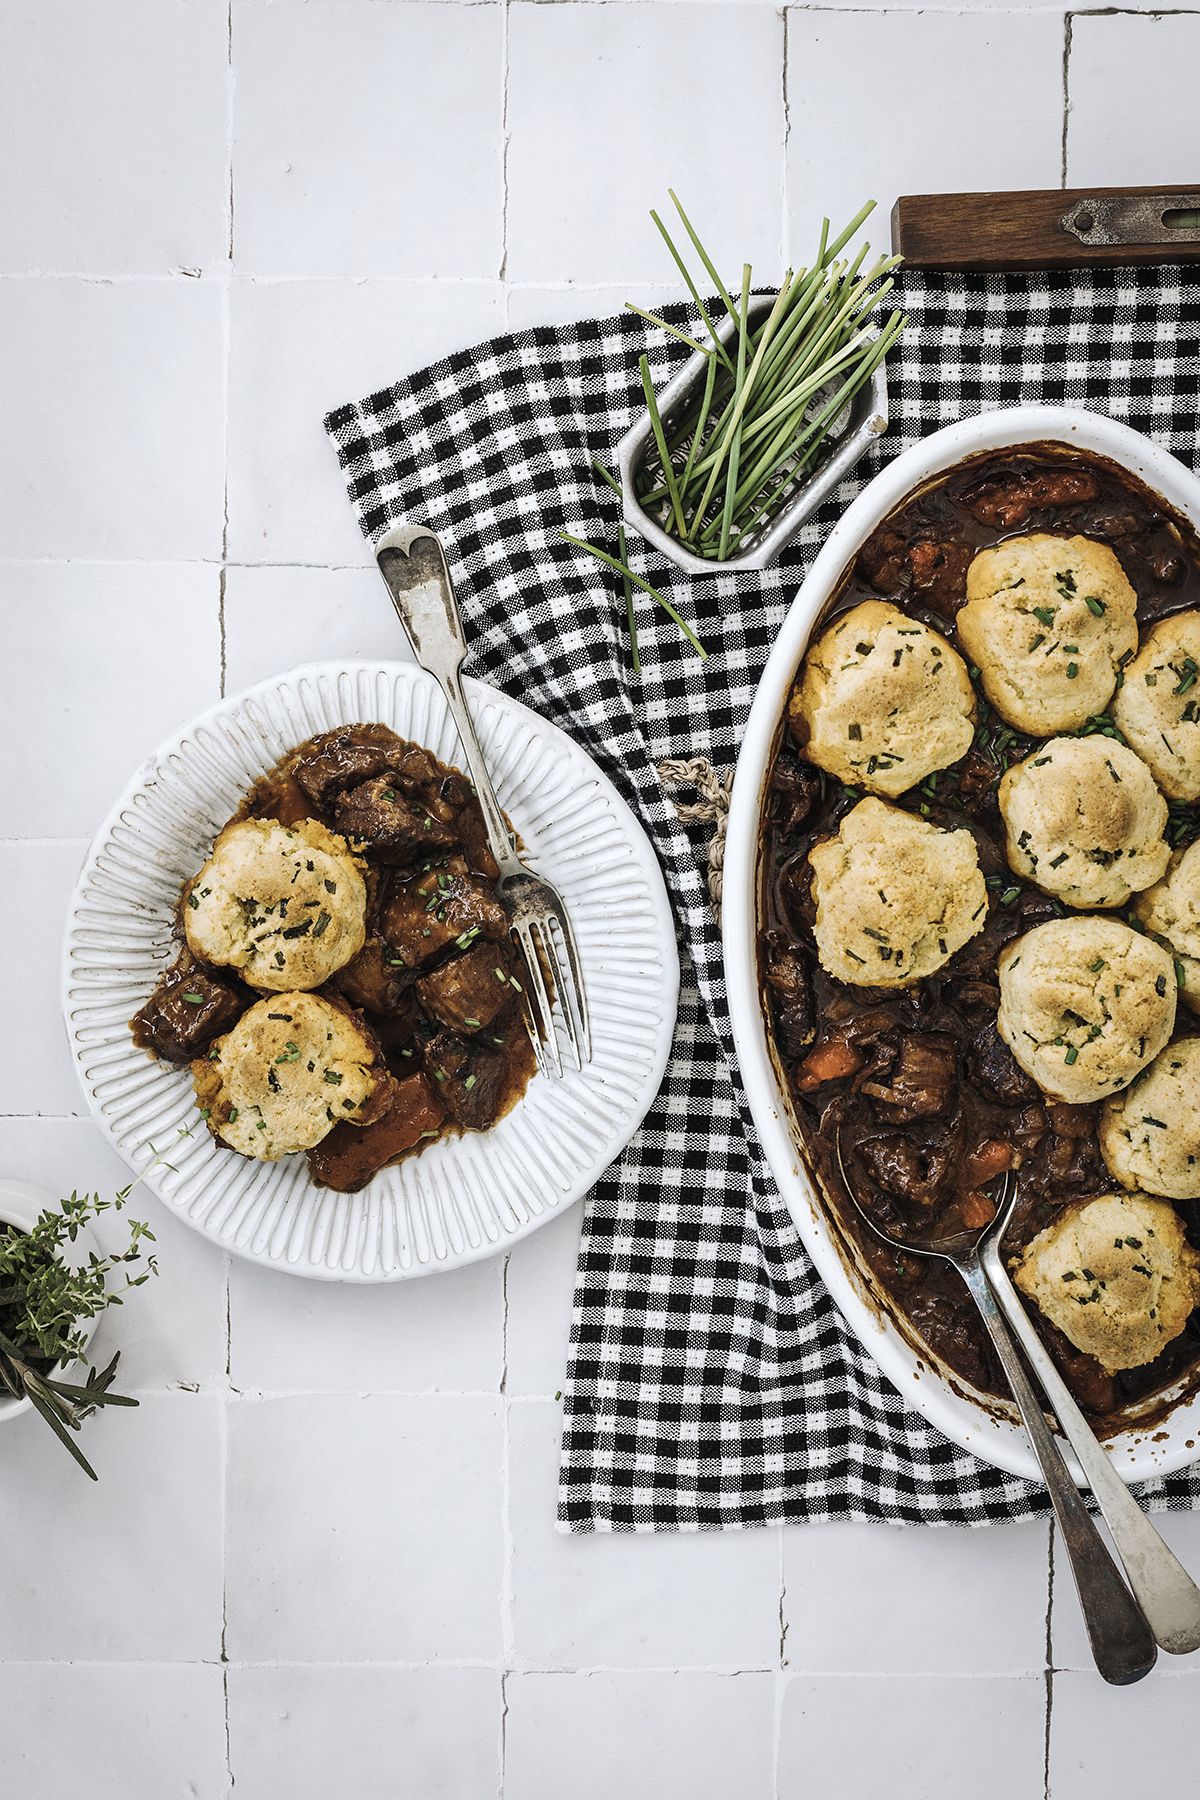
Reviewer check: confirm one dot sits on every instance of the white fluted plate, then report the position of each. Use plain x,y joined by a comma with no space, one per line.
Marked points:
463,1197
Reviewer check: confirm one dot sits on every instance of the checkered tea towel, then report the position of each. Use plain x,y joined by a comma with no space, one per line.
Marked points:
711,1381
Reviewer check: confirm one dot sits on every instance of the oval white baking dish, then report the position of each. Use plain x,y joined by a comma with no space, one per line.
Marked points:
976,1424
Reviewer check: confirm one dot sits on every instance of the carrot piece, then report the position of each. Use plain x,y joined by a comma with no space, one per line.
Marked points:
975,1210
988,1160
828,1062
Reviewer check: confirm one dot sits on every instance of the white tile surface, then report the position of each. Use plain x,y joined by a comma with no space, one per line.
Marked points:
676,1601
918,1598
584,169
171,1331
440,1335
276,619
541,1289
645,1737
915,128
136,651
1069,1639
563,302
299,349
109,1731
927,1737
115,163
1093,1752
112,446
150,1591
330,1733
36,882
388,1546
367,138
1141,131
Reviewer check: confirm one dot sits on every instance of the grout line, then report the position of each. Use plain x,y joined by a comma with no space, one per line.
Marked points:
781,1672
1068,27
1049,1663
784,228
505,135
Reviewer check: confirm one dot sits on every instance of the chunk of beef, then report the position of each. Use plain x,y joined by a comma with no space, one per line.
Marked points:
344,758
791,989
472,992
440,906
923,1081
472,1080
882,560
378,816
992,1066
938,573
1007,500
915,1173
376,979
1166,566
796,787
189,1007
449,797
350,1155
1073,1164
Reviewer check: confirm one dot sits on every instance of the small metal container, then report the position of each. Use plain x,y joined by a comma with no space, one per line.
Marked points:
856,426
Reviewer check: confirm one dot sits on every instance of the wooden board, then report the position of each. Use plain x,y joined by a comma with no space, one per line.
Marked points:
1025,230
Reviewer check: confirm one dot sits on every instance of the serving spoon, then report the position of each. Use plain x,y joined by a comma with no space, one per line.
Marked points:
1122,1642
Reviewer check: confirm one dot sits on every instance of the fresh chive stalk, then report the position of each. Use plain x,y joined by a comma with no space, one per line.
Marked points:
737,450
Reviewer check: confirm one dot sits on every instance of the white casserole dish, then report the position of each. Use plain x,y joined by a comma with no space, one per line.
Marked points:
975,1422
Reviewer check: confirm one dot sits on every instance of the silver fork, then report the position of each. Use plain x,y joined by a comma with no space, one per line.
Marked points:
413,566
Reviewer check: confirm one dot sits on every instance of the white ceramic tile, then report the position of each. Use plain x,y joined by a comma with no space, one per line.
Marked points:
128,1568
884,103
683,1600
608,106
324,1733
104,1731
113,657
367,138
1070,1645
923,1737
276,619
1101,1742
644,1736
112,445
565,302
439,1334
363,1529
121,162
171,1330
36,881
540,1291
298,349
918,1598
1131,85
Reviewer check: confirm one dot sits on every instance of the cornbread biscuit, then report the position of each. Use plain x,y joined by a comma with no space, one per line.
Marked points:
1085,821
1117,1277
284,905
883,700
292,1068
1158,706
1150,1134
1085,1004
1048,620
1171,910
896,897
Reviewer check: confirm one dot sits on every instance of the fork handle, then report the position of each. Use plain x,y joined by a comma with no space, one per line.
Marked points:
1166,1592
1122,1643
413,565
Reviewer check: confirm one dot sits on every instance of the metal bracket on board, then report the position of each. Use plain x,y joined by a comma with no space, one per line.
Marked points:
1135,219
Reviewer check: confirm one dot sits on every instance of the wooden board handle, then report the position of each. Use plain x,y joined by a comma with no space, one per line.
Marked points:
1048,228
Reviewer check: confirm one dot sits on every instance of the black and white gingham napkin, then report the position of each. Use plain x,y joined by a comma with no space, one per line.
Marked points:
711,1380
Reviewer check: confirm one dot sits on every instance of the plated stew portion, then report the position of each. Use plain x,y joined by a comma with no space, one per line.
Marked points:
344,984
980,911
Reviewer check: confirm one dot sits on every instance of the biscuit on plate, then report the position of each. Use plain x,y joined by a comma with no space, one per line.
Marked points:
292,1068
1171,910
1116,1275
895,896
1048,621
1158,706
1150,1134
883,700
284,905
1085,1004
1085,821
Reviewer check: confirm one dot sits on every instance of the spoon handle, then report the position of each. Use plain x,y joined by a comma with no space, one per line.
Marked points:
1122,1642
1166,1592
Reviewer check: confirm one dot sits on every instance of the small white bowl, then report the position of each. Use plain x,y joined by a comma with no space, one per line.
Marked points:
21,1204
977,1423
